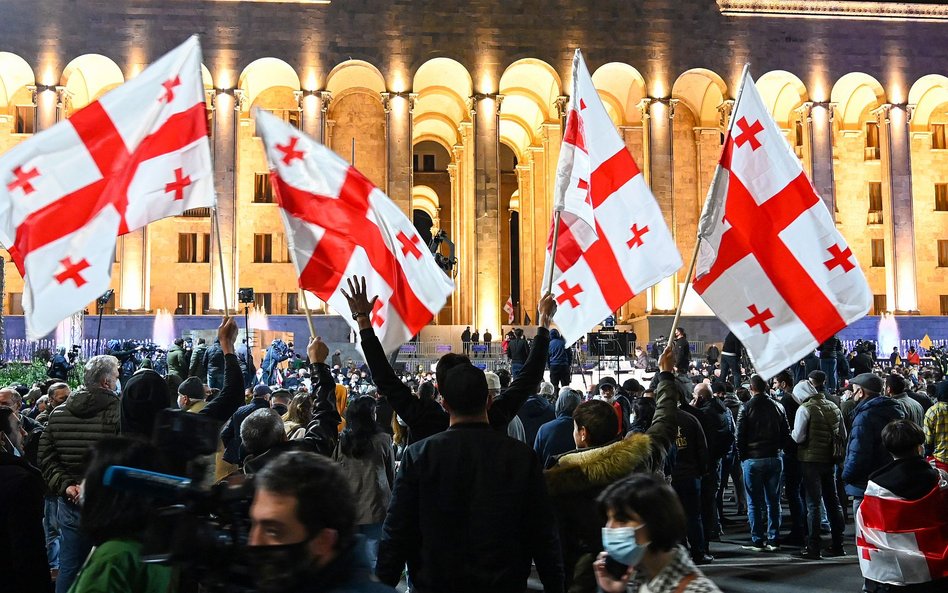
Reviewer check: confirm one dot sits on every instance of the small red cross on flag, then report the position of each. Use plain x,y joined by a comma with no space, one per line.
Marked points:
599,198
123,162
338,224
764,236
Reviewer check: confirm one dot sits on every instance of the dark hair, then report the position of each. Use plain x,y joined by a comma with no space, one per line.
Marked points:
324,499
653,501
356,438
446,363
758,384
465,390
426,391
504,376
599,419
179,342
902,438
518,332
895,383
742,394
644,410
113,514
784,377
682,330
6,420
818,378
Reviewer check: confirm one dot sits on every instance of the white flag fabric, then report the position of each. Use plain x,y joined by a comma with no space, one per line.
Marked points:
138,154
338,224
613,242
509,309
772,265
900,541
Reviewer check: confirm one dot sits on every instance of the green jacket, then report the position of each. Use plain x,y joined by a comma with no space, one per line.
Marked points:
823,424
87,416
177,362
116,567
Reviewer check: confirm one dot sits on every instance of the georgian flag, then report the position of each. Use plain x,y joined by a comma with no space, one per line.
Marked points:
612,242
338,224
771,264
138,154
903,542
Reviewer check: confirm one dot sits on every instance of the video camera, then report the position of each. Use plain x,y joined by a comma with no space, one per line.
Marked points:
202,530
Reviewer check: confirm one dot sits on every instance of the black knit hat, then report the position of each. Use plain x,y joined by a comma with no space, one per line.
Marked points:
192,387
143,396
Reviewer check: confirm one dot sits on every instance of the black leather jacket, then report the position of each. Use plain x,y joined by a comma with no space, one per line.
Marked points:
762,428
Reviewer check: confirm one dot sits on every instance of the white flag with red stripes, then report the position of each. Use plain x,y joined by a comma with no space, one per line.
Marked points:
338,224
903,542
613,242
772,265
509,309
138,154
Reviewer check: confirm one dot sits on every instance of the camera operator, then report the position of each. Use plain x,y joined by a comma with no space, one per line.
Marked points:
59,367
303,536
862,362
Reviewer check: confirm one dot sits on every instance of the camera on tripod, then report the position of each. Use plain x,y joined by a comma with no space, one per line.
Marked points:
245,296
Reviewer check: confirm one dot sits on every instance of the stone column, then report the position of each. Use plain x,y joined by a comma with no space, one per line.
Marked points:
530,274
45,100
662,170
898,208
818,119
227,105
398,148
486,209
325,98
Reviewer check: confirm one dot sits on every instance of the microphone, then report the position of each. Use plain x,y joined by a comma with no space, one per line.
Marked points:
131,479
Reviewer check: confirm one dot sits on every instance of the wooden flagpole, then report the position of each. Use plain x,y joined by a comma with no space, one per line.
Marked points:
309,314
694,256
220,261
556,238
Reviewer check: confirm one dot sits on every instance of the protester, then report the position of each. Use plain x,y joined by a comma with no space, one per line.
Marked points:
762,431
536,411
298,416
89,415
23,558
644,525
792,470
730,360
518,351
556,436
719,432
176,357
692,462
895,389
515,428
215,366
115,523
561,360
865,453
828,364
198,364
682,351
577,478
143,396
936,426
367,459
59,366
191,395
303,535
230,434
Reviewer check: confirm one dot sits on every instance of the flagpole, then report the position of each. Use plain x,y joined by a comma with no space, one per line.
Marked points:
694,256
220,261
556,238
309,314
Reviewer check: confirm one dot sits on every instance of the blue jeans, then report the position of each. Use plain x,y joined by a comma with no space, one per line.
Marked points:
515,368
75,546
793,486
51,528
828,366
372,533
762,480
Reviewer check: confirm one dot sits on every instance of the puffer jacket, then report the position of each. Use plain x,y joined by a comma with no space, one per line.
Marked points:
198,367
762,428
865,453
578,477
87,416
177,363
215,366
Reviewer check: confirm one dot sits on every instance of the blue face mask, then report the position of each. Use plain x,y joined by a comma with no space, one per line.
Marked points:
620,544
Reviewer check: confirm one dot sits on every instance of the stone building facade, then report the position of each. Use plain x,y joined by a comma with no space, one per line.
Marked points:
455,110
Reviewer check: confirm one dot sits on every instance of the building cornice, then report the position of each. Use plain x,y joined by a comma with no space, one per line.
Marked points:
840,9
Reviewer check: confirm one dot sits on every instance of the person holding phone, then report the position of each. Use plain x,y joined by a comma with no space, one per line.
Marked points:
641,541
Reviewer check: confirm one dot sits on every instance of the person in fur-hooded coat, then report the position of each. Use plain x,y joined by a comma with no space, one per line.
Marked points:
578,477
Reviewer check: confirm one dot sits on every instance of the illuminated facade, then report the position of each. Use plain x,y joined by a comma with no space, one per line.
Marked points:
455,110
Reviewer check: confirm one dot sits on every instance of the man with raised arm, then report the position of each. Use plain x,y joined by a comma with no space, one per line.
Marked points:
426,417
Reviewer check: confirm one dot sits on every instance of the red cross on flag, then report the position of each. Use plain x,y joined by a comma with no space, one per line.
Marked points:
338,224
771,264
612,242
509,309
138,154
900,541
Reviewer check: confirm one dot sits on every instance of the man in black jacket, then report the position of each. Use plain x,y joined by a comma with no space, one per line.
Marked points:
762,431
731,360
719,429
470,510
425,417
518,350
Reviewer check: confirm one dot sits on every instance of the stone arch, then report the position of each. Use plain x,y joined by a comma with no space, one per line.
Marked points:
621,88
702,91
355,74
855,94
927,94
782,93
530,88
88,77
356,118
15,75
425,198
262,76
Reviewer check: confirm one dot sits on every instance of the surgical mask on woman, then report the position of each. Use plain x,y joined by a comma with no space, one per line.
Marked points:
620,544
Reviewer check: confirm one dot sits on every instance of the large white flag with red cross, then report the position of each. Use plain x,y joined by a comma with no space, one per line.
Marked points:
900,541
771,264
338,224
613,242
138,154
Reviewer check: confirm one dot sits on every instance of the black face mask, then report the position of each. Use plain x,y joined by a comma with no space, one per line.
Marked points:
279,568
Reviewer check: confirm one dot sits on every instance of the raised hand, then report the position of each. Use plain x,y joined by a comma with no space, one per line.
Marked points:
546,308
227,334
317,350
359,303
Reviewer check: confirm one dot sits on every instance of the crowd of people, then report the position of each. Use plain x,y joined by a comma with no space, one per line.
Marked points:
361,478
